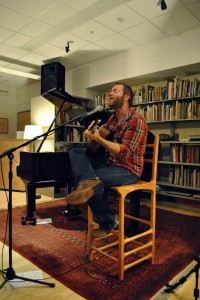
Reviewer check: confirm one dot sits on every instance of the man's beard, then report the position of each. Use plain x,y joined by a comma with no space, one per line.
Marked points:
117,103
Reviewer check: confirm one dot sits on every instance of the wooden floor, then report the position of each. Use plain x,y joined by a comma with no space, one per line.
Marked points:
59,292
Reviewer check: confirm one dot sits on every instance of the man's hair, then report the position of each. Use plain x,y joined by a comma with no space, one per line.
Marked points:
127,91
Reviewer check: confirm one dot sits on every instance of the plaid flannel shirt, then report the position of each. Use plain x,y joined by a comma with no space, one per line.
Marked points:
131,134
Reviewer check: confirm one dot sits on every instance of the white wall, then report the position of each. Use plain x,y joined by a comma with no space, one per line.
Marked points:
172,52
25,94
43,113
13,101
8,109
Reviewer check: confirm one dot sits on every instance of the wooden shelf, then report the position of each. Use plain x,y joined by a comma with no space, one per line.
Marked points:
182,142
184,187
188,197
173,121
178,163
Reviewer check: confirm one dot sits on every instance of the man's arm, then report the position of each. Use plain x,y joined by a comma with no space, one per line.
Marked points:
109,146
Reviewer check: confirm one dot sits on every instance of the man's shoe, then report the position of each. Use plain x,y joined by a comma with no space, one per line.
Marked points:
99,232
85,190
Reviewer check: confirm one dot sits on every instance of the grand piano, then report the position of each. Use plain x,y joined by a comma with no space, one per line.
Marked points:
44,169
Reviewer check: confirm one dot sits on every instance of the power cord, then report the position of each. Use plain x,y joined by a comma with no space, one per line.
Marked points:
6,226
92,271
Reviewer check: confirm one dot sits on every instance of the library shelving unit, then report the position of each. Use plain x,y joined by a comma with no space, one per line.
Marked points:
179,169
67,137
176,105
71,135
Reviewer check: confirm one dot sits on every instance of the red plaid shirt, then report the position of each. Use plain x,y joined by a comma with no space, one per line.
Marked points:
131,134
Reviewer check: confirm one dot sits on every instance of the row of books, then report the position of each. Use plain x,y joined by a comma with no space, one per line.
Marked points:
64,117
185,153
149,93
185,176
181,88
101,99
171,89
170,111
70,134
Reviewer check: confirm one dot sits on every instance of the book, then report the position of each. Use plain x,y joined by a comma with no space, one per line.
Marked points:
194,138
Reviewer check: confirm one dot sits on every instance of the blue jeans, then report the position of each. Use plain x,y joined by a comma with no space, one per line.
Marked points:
85,168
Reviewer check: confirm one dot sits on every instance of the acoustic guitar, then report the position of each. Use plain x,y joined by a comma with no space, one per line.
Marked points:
93,148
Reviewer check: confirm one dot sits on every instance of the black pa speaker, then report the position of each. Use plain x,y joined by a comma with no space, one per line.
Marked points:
52,77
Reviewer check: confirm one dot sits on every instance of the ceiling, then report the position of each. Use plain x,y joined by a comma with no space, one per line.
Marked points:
33,33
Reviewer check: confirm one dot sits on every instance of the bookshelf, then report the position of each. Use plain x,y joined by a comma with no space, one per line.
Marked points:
172,106
170,110
179,169
101,99
72,134
66,137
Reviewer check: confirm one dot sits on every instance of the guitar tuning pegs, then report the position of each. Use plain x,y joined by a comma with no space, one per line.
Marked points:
93,124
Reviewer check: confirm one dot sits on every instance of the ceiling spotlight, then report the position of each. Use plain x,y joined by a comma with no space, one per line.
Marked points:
163,5
67,48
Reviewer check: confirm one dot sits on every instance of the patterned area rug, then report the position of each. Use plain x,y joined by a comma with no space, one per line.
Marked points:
60,249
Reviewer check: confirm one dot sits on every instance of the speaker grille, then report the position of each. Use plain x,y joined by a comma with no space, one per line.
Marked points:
52,77
49,83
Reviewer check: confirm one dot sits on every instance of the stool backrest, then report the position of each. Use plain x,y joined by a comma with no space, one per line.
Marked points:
151,158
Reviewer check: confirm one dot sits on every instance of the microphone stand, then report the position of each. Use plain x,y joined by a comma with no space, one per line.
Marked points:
170,287
10,272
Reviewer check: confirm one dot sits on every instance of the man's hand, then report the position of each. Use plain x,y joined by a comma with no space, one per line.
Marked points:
96,136
92,136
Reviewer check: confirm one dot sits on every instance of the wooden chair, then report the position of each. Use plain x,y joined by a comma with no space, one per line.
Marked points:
131,250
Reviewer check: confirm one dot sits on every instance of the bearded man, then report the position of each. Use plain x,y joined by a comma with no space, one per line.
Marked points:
124,163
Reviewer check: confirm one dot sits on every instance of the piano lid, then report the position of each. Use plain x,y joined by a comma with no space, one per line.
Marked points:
57,97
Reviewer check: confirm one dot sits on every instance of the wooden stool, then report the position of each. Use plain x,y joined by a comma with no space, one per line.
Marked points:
144,241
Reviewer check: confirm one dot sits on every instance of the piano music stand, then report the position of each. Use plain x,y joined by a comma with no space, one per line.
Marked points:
10,273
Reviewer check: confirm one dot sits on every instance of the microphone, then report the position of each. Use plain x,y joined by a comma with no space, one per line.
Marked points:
91,112
94,111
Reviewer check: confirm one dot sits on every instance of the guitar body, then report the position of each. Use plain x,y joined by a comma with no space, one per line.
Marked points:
94,149
93,146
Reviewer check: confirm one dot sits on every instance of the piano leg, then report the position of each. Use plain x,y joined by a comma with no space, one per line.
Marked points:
30,202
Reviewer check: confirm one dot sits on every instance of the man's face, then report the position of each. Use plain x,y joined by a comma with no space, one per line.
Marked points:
116,96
